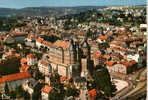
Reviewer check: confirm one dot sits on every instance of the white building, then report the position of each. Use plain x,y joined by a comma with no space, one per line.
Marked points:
44,67
31,59
45,91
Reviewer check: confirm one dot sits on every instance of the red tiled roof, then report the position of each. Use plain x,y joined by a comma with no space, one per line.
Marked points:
115,47
14,77
30,36
133,62
103,37
76,97
23,60
47,43
92,92
24,68
61,44
64,79
129,64
30,56
116,43
121,31
18,34
123,49
110,63
97,55
46,89
106,56
81,32
17,55
10,54
39,39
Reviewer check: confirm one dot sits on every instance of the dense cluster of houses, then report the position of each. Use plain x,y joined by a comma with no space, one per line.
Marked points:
73,56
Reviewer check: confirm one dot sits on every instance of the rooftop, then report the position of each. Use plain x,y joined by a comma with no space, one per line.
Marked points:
46,89
14,77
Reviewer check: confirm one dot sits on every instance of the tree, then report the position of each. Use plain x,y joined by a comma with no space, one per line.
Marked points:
19,91
7,92
55,82
71,91
55,95
37,74
12,94
27,96
37,91
102,81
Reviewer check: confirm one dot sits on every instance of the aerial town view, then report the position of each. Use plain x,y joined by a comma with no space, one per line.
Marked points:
73,50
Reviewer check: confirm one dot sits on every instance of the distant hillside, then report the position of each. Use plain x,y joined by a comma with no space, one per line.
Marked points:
45,11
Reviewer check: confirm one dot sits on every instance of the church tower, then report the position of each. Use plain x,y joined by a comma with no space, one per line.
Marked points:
85,49
73,52
85,58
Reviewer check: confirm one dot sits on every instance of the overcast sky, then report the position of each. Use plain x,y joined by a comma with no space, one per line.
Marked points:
38,3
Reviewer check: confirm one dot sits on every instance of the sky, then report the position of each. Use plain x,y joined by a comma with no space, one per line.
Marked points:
38,3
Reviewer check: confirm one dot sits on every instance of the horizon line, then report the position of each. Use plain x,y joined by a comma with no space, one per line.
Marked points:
75,6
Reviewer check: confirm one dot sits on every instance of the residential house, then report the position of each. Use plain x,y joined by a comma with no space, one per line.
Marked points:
29,41
45,92
31,59
14,80
23,61
92,94
101,39
28,86
124,67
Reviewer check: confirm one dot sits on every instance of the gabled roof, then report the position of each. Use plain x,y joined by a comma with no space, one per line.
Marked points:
102,37
23,60
47,43
31,56
30,36
81,32
99,55
61,44
92,92
39,39
110,63
16,54
18,34
14,77
11,54
46,89
64,79
24,68
107,56
129,64
116,43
